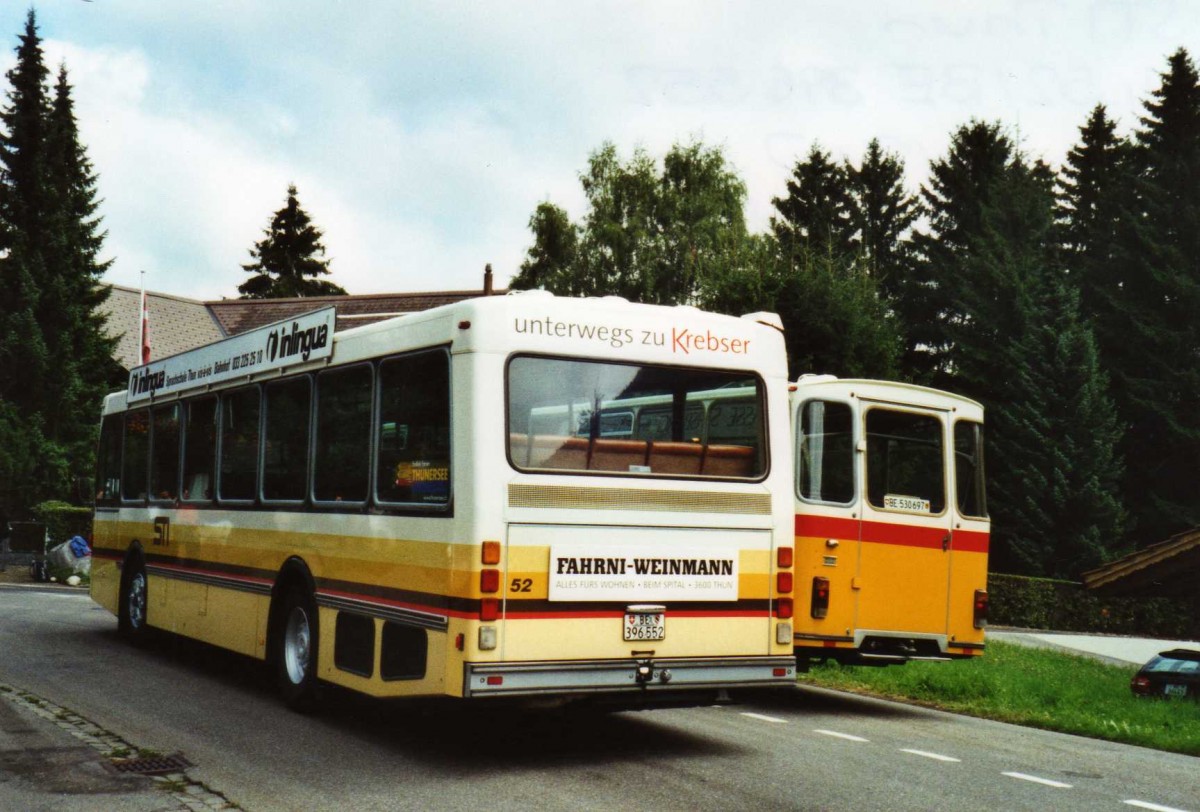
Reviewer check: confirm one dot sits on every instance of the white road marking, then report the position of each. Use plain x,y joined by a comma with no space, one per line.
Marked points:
932,755
845,736
765,718
1155,807
1045,781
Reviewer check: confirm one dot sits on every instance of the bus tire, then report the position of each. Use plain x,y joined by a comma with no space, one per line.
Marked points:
131,614
296,649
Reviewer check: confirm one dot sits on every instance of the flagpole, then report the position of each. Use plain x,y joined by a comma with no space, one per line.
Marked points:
143,316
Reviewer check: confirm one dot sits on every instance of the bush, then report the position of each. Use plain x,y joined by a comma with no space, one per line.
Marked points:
64,521
1043,603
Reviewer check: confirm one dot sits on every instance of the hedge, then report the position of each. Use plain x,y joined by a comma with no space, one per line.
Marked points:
1042,603
64,521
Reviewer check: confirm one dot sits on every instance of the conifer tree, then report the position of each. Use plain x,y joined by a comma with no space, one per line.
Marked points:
1094,194
287,261
882,217
818,211
1056,489
1011,336
1156,363
55,356
957,195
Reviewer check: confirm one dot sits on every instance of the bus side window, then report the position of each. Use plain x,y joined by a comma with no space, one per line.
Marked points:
826,452
968,468
164,453
413,467
239,444
135,455
342,457
905,462
108,461
199,450
285,450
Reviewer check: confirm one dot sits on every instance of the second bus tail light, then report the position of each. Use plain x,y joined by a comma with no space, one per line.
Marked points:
981,608
820,597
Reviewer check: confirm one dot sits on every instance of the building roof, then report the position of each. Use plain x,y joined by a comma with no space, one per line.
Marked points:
176,324
241,315
1168,569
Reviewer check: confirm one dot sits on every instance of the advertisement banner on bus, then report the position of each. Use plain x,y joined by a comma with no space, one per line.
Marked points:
292,341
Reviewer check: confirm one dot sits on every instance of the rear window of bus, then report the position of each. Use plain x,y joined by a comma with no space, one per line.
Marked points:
594,417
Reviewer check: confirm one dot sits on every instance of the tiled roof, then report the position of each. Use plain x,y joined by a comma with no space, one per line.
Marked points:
176,324
1169,568
240,315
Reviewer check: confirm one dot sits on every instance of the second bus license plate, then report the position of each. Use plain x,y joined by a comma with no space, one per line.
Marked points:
645,626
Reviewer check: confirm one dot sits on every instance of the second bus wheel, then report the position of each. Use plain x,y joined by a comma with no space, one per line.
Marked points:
296,649
131,614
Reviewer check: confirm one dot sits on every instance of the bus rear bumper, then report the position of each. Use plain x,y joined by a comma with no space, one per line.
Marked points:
641,676
882,647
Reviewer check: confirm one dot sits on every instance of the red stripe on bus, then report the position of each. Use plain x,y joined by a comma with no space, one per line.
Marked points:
970,541
374,600
833,527
224,575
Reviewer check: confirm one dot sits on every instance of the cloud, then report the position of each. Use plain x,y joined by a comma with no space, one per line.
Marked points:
421,138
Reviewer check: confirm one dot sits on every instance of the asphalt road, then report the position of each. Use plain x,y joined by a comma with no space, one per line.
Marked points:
802,749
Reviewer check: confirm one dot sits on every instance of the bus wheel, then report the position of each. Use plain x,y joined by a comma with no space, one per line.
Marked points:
296,650
131,617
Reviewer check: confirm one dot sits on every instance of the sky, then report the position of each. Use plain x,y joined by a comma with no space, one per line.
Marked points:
422,136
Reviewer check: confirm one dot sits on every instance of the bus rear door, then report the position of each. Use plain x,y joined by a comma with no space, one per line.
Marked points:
905,549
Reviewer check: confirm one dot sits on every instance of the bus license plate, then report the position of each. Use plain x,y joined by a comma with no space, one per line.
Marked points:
645,626
1169,690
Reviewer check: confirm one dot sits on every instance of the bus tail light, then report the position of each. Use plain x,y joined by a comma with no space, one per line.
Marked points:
783,557
489,581
489,609
491,553
783,608
981,608
820,597
783,582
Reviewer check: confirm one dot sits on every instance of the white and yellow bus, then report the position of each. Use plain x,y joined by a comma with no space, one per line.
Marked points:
891,523
449,503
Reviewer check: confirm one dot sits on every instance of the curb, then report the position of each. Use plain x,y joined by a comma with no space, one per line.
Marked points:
191,795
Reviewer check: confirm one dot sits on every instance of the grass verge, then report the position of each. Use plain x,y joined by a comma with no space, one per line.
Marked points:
1032,687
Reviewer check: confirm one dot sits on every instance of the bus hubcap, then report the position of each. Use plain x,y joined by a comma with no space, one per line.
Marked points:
137,601
296,641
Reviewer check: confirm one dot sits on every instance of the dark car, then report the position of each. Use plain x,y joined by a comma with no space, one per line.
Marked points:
1169,673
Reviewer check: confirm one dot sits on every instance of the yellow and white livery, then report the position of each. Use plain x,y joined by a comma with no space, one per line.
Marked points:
520,495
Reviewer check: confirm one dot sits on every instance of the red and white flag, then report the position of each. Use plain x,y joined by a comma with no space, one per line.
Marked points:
145,342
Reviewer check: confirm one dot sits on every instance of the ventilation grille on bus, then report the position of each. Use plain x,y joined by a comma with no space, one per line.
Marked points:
566,496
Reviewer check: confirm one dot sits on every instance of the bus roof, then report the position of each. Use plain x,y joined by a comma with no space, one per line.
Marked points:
610,328
891,391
